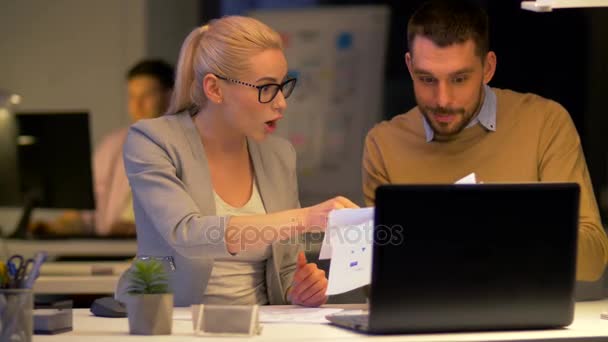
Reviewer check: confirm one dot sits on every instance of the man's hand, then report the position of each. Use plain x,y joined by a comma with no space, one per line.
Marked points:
69,223
309,284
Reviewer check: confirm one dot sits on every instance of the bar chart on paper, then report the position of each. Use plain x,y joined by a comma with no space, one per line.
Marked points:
348,242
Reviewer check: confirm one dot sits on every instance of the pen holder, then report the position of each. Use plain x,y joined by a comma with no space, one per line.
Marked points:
225,320
16,312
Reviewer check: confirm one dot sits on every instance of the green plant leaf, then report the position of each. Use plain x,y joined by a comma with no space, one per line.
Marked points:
148,277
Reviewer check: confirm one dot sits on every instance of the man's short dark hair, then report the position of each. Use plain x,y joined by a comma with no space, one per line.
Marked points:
447,22
156,68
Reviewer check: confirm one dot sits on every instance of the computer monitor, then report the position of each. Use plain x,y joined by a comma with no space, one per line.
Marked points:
49,156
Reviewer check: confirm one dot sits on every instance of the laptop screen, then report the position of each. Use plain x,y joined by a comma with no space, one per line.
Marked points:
474,256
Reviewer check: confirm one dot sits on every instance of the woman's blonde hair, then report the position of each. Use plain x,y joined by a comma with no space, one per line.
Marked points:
221,47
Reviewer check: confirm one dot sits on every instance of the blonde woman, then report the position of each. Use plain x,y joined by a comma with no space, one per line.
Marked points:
215,194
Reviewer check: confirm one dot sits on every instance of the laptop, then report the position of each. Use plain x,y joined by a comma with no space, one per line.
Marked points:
450,258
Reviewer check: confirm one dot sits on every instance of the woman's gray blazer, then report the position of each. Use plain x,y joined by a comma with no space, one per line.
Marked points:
175,209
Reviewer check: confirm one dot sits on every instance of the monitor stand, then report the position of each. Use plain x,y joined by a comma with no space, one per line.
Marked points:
32,198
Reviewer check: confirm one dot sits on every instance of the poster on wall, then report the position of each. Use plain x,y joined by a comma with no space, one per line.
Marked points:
338,56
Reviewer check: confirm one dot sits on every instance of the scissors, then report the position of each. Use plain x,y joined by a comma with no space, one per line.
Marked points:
18,269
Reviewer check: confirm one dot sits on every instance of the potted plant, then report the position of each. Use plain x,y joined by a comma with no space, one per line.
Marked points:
150,303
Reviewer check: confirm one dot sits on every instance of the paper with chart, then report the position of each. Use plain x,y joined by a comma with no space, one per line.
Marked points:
348,242
343,218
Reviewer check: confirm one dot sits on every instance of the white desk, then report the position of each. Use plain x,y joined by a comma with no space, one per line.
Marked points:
587,327
73,247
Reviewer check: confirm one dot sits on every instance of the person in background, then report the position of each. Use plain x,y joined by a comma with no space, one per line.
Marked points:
461,125
215,193
149,88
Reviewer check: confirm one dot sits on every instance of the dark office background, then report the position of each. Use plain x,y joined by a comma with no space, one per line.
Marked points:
561,55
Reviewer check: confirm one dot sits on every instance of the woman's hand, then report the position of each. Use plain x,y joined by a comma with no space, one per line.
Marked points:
309,284
259,231
316,215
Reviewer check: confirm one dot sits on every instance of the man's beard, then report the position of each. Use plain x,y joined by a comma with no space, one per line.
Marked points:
461,112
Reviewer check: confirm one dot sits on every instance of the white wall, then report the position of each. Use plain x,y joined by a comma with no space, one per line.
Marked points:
73,54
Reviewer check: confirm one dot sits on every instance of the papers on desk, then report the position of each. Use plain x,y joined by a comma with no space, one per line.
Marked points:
278,314
273,314
348,243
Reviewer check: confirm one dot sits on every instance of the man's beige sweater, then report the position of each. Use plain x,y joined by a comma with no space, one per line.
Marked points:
535,140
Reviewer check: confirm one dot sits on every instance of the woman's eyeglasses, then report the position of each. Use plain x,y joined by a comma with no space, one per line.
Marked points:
267,92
